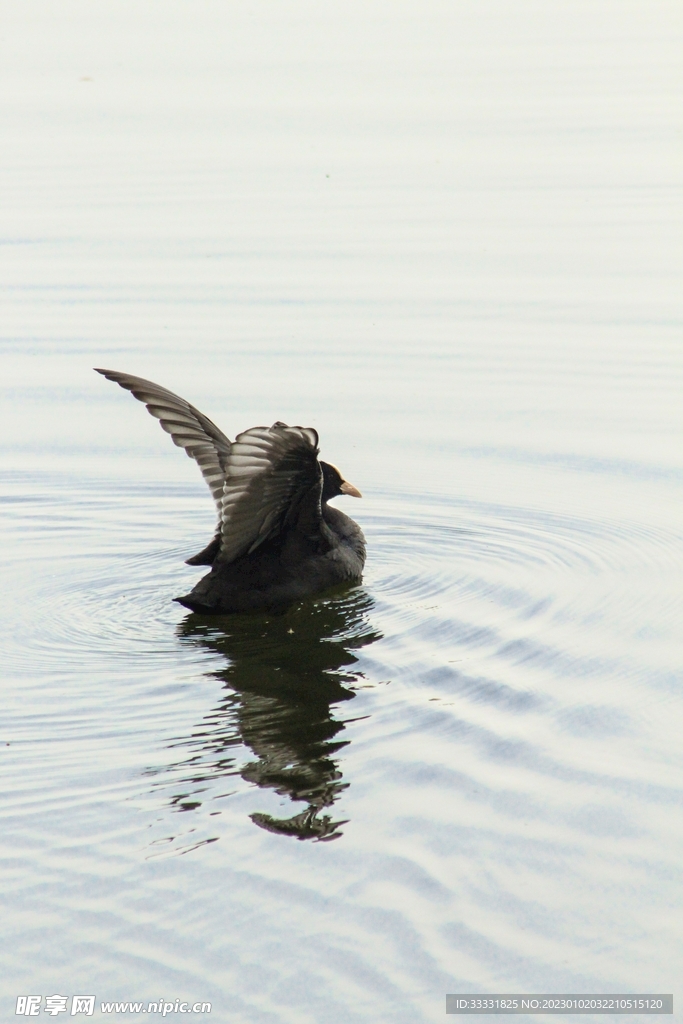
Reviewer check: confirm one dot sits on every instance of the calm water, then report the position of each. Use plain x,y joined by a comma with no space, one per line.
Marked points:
449,237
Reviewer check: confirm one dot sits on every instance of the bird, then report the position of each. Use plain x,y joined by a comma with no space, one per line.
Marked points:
277,540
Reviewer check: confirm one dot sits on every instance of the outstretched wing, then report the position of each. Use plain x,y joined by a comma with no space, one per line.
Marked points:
189,428
271,475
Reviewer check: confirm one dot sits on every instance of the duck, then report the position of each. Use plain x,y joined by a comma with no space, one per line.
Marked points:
277,540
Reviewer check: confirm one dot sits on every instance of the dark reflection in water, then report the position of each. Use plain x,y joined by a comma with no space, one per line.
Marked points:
283,677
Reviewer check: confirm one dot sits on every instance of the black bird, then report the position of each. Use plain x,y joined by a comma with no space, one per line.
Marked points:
277,539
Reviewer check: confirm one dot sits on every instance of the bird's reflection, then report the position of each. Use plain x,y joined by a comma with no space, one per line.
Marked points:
283,676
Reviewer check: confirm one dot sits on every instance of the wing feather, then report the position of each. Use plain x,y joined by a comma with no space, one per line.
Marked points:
259,481
271,474
189,428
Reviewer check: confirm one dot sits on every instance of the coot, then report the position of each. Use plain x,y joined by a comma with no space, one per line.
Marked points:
277,539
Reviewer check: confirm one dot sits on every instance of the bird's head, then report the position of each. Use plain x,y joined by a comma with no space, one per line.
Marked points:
335,484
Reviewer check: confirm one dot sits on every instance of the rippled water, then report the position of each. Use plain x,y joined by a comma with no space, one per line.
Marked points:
450,243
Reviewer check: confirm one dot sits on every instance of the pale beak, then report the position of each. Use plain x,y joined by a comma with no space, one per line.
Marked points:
347,488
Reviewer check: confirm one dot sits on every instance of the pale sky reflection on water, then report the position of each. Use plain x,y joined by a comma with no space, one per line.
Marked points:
448,237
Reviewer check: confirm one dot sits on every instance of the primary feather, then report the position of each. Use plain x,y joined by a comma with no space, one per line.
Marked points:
189,428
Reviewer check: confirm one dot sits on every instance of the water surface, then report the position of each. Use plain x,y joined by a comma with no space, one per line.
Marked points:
449,239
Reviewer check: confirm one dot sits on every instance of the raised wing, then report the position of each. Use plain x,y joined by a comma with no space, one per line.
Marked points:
271,475
189,428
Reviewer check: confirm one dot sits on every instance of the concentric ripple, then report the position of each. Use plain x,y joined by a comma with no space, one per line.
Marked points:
519,563
466,606
490,694
78,601
425,560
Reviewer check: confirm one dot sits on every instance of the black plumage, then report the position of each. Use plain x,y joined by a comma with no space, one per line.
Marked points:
277,539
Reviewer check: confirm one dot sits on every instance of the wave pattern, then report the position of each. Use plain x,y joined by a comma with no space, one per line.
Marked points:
484,727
